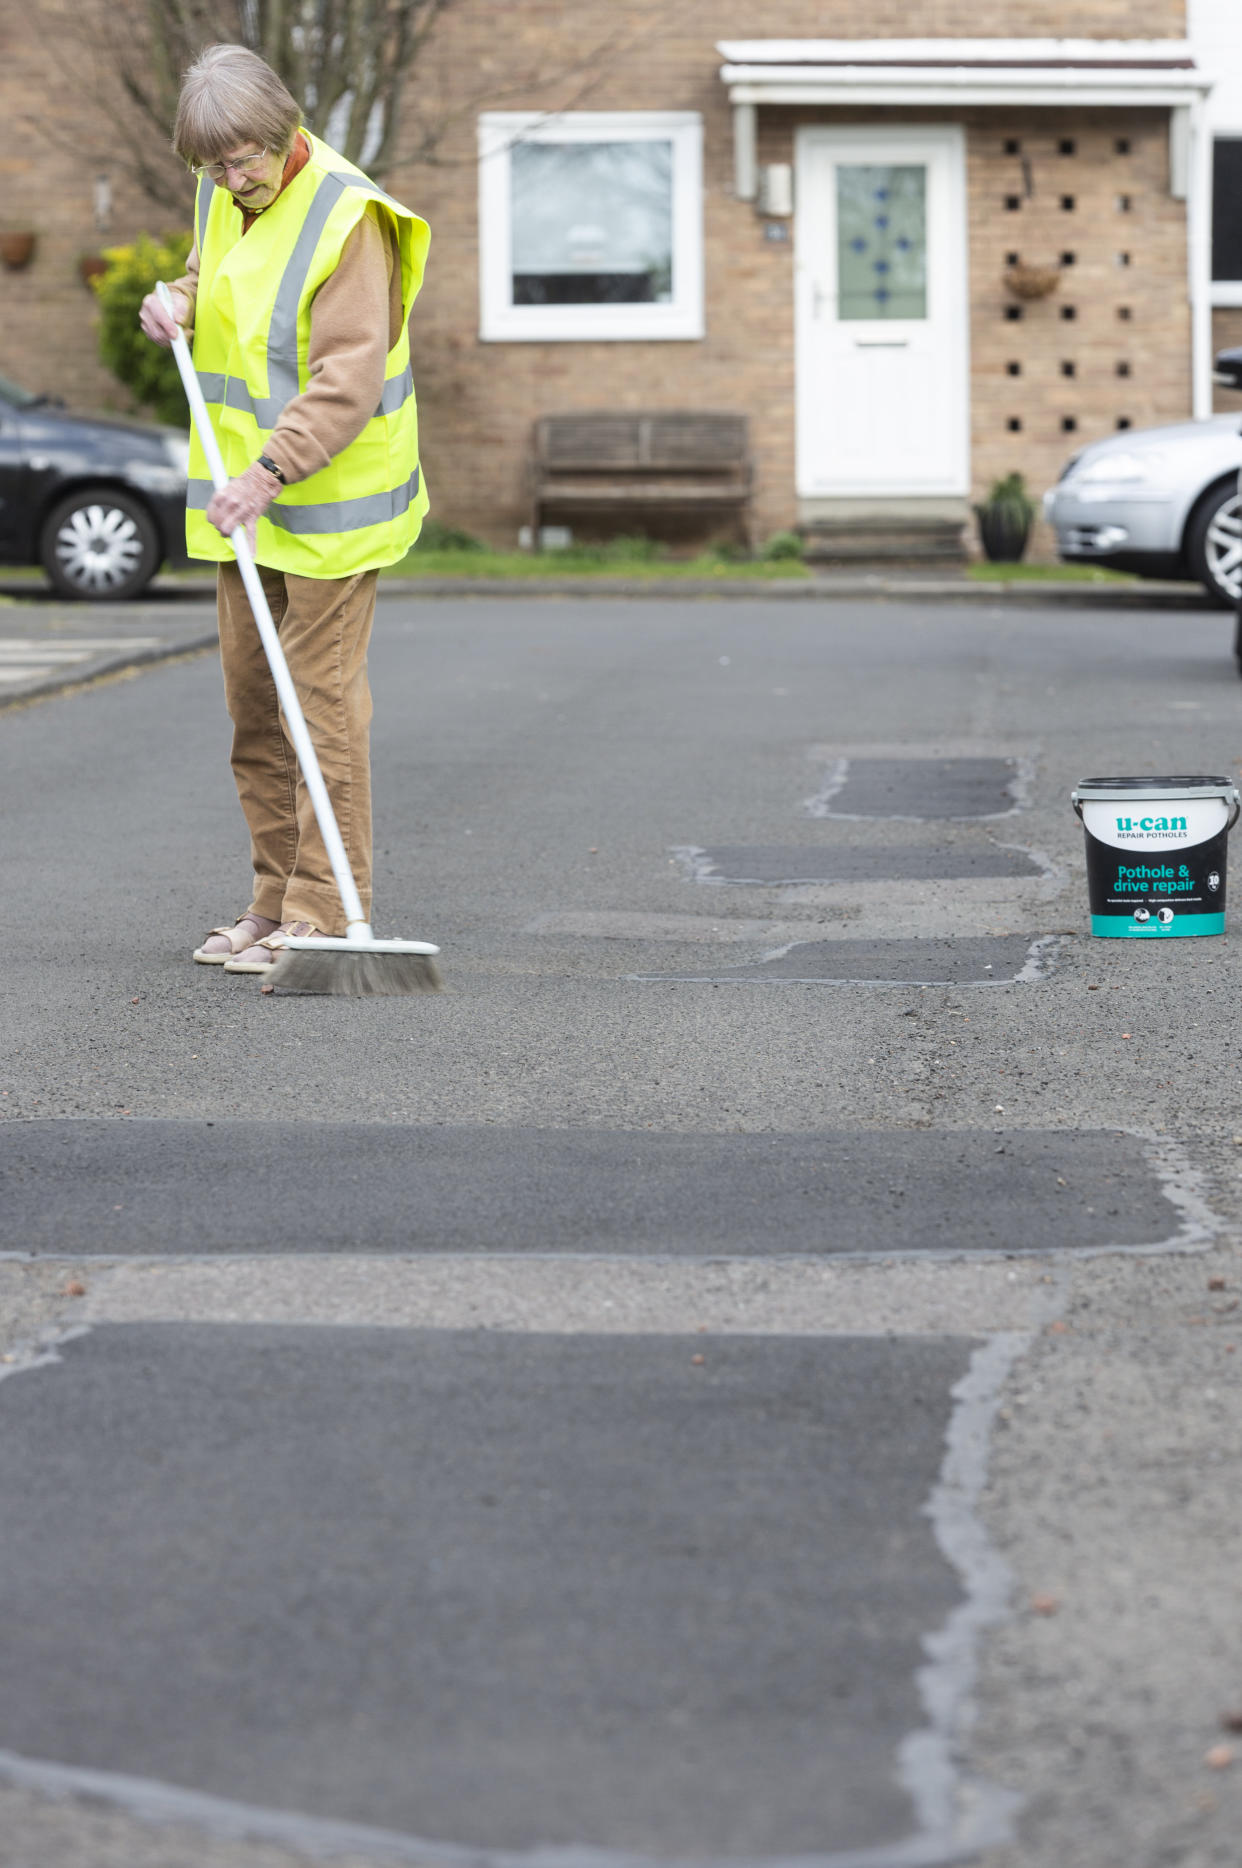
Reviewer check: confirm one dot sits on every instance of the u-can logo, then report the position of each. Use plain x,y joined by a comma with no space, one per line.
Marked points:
1168,824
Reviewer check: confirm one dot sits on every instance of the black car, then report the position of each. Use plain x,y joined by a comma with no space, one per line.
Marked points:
98,502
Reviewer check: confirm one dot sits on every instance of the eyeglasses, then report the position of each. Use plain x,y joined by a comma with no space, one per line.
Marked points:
216,171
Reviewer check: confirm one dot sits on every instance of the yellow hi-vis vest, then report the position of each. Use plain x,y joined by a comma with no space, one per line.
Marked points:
251,339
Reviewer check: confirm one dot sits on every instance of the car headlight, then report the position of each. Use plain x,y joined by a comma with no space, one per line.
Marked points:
159,477
177,448
1118,469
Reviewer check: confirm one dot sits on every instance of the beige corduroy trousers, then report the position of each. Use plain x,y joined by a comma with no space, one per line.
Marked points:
324,625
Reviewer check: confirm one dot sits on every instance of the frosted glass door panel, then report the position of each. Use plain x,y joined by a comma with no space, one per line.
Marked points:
882,241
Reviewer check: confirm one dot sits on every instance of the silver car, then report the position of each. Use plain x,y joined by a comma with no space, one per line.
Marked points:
1160,501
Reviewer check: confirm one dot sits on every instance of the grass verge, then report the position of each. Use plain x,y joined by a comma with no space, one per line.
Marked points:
985,573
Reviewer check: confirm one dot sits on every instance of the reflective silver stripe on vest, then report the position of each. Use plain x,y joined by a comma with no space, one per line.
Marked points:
326,516
397,392
206,189
366,186
231,392
282,331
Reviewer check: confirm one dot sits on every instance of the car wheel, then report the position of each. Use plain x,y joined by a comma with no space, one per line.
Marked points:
100,543
1214,543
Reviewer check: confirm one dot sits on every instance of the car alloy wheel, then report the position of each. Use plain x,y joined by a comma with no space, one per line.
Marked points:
1214,543
1224,547
100,543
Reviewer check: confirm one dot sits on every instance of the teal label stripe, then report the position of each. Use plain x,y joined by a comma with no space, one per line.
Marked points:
1121,927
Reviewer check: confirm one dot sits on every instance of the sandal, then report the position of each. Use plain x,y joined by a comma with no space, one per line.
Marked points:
261,954
224,944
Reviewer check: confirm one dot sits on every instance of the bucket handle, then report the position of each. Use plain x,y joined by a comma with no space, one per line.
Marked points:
1076,801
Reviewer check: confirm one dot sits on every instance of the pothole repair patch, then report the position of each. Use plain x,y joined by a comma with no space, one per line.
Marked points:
988,960
159,1188
918,788
786,866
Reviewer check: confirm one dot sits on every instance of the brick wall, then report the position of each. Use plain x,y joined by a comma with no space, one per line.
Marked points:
1226,335
1123,357
54,146
478,400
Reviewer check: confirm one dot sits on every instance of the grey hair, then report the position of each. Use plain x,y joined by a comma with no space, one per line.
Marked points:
230,96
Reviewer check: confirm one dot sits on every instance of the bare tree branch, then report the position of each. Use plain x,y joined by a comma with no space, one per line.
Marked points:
348,62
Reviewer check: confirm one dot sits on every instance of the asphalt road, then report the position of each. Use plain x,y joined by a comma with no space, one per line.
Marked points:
745,1373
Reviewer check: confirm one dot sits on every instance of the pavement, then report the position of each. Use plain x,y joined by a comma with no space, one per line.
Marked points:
48,645
745,1374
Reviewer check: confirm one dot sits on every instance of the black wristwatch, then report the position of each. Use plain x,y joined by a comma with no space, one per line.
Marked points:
272,468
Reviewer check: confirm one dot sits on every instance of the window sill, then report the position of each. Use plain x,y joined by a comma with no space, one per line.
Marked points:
521,330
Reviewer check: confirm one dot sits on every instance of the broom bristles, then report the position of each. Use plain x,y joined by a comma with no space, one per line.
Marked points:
356,974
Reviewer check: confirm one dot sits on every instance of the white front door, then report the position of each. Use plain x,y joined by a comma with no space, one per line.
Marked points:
882,312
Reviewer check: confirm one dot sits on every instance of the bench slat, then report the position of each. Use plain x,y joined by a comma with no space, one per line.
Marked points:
696,440
591,440
673,438
601,458
645,492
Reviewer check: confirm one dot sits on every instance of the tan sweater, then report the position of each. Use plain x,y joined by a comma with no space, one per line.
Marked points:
355,321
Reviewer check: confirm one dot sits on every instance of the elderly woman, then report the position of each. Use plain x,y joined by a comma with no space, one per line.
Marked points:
299,289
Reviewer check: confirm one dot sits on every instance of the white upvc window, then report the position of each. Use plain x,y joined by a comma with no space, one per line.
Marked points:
591,225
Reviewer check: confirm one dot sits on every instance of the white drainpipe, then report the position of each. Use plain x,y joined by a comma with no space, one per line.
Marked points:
1199,255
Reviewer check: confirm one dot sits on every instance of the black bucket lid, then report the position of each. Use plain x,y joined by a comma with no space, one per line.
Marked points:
1162,782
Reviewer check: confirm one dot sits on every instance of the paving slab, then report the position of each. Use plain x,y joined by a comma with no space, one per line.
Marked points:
115,1188
496,1591
51,645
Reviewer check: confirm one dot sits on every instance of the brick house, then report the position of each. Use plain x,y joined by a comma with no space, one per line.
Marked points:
637,206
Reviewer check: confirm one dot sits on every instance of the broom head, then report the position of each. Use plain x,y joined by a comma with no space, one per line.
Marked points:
361,969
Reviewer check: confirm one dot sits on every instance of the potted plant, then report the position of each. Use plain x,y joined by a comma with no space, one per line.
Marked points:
91,266
17,249
1005,519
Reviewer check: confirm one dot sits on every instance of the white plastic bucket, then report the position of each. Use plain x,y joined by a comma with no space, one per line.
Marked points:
1156,854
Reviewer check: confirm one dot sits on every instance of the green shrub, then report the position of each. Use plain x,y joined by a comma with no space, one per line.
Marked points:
782,545
436,536
148,371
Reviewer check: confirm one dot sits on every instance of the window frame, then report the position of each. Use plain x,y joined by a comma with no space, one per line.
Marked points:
500,320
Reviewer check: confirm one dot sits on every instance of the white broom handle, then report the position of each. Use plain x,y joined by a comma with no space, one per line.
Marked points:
356,922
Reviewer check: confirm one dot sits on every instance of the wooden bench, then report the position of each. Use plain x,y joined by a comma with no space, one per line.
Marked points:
601,461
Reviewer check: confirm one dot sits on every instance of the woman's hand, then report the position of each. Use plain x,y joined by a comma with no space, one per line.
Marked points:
243,501
155,322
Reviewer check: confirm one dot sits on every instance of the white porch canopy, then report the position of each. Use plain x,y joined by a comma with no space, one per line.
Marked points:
1052,73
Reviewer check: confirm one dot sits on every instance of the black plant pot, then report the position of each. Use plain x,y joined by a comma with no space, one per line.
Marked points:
1003,532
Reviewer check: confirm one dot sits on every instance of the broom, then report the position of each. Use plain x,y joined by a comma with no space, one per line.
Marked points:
357,964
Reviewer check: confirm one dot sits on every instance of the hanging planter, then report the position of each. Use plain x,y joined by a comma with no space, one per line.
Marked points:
17,249
1030,282
1005,518
91,266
